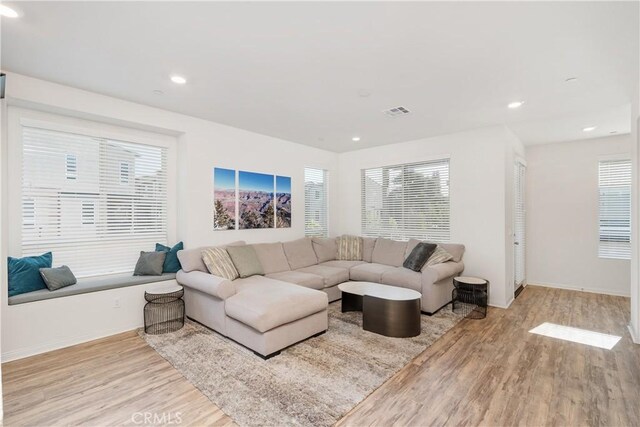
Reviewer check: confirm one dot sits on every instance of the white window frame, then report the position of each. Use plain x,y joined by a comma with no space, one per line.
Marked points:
403,235
610,249
19,117
316,196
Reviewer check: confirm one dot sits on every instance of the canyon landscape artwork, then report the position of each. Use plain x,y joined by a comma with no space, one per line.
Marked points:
255,200
224,199
283,202
263,200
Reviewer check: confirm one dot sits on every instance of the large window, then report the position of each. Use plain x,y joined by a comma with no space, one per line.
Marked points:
94,202
315,202
407,201
614,180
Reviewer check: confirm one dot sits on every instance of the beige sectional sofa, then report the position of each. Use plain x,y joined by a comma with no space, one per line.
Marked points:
289,303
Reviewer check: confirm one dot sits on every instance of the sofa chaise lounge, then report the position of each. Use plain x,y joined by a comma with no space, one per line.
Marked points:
289,303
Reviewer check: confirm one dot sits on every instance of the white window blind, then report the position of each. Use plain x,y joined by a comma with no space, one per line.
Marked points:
407,201
96,223
614,180
315,202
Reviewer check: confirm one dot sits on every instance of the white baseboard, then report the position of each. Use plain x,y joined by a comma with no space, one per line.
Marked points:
635,337
578,288
504,306
56,345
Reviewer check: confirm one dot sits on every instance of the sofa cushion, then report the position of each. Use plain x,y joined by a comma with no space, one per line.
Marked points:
325,249
455,249
342,264
403,277
419,256
349,248
369,272
264,303
331,275
272,257
219,263
300,253
388,252
191,259
246,260
439,256
368,243
307,280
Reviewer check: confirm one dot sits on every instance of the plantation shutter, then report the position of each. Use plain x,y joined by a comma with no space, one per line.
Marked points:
407,201
315,202
95,203
520,243
614,179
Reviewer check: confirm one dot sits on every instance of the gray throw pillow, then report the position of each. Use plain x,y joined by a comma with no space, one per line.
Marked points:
150,264
59,277
419,256
246,260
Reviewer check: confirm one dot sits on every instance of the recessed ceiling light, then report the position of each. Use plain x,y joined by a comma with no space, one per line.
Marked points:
355,139
178,79
589,129
515,104
8,12
571,79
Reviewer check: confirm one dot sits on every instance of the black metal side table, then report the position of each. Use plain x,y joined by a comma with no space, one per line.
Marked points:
470,296
164,310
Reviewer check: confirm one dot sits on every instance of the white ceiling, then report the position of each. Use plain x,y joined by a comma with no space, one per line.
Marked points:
296,70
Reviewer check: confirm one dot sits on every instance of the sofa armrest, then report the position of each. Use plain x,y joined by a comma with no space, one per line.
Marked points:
438,272
219,287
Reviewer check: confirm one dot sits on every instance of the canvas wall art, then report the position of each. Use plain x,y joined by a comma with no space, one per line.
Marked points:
224,199
255,200
283,202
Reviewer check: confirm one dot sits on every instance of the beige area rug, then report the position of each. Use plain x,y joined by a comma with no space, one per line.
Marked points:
313,383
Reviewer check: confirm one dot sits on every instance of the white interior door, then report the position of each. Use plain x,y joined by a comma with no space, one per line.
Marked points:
519,237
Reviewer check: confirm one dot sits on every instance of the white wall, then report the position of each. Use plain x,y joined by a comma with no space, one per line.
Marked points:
477,190
36,327
562,217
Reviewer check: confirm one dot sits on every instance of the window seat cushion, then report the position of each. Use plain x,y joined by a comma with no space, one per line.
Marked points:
90,284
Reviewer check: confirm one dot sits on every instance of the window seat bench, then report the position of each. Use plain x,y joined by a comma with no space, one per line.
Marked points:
90,284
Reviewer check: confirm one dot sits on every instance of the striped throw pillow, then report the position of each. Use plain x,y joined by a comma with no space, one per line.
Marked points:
219,263
350,248
439,256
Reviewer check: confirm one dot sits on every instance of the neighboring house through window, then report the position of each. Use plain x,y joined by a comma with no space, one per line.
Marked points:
71,166
614,182
315,202
407,201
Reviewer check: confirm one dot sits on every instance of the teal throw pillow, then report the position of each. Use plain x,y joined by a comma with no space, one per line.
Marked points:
171,262
24,273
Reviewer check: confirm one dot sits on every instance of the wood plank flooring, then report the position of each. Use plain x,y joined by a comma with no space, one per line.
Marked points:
489,372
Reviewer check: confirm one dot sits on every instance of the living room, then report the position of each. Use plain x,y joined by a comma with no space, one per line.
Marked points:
502,133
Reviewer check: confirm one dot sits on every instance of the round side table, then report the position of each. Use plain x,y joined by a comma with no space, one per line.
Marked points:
470,296
164,310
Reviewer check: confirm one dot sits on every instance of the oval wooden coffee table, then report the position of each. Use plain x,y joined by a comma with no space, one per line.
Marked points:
386,310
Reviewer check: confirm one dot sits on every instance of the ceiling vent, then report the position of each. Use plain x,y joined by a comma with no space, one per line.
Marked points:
396,111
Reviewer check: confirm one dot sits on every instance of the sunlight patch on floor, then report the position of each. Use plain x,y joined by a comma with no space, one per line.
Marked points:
581,336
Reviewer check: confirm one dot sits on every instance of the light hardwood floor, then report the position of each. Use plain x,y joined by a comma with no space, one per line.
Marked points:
490,372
